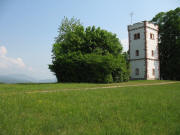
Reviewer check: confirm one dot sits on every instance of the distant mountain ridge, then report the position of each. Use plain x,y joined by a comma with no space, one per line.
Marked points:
21,78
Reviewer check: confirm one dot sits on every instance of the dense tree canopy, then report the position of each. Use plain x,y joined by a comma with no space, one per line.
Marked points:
87,55
169,43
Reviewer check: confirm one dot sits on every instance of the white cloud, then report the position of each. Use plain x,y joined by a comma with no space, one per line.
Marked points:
125,44
16,66
8,62
19,62
3,51
30,68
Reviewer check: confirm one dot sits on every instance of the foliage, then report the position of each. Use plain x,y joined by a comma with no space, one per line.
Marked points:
87,55
169,43
149,110
67,26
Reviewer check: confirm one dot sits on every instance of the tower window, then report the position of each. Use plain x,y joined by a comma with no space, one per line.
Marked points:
151,36
152,53
136,36
137,52
153,71
137,71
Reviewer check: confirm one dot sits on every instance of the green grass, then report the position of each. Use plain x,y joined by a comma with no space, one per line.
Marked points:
142,110
19,88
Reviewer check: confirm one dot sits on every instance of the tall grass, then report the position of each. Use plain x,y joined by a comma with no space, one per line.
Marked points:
144,110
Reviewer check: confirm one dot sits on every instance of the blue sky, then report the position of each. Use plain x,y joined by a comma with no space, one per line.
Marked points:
28,27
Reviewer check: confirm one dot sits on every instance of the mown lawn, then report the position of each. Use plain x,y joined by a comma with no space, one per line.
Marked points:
143,110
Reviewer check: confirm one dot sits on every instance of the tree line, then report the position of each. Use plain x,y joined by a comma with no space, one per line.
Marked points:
169,43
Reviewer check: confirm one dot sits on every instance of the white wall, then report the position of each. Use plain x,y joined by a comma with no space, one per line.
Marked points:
137,64
137,44
152,44
152,64
151,25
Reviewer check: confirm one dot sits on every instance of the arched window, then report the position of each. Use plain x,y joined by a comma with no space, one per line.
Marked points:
136,36
151,36
152,53
137,52
137,71
153,71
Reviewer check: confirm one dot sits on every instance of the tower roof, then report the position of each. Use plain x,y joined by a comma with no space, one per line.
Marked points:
143,24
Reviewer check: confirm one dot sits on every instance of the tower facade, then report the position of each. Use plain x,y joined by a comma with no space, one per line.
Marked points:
143,51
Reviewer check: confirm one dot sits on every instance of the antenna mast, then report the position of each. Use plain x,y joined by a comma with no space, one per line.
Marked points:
131,15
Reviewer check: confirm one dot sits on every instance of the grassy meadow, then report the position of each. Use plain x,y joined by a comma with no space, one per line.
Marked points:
90,109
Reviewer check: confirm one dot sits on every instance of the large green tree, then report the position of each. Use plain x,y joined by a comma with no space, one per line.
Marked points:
87,55
169,43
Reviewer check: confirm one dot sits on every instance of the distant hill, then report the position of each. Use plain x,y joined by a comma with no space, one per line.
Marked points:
16,78
21,78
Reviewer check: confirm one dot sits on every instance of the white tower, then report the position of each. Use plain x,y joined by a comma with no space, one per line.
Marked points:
143,51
